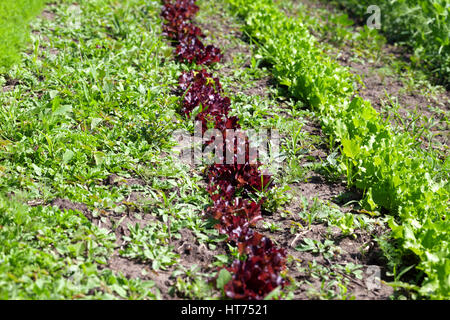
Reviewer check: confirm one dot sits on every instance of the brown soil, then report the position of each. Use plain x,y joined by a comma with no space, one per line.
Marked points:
10,85
318,187
48,15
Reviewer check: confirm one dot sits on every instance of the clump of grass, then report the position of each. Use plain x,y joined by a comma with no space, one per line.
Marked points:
14,18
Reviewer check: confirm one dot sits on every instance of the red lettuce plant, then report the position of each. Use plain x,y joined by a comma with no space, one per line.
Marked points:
260,272
186,35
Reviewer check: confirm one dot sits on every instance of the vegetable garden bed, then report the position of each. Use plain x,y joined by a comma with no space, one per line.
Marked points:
95,203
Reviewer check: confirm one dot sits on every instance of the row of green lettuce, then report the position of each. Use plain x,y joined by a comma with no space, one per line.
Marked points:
387,165
14,32
423,25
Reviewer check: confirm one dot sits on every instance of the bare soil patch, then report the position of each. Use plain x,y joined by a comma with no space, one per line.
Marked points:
48,15
10,85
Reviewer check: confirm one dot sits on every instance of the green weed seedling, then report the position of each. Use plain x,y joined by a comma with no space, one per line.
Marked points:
327,248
